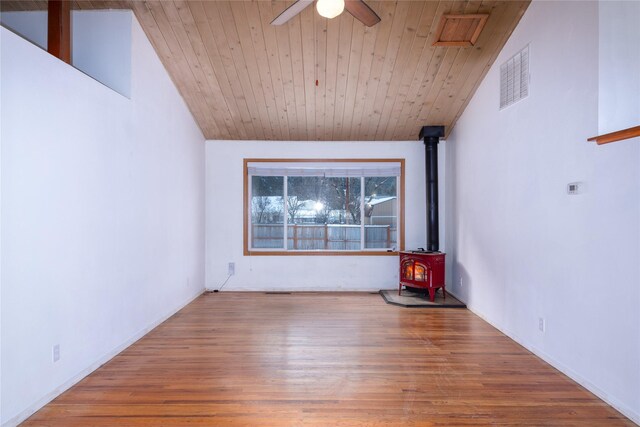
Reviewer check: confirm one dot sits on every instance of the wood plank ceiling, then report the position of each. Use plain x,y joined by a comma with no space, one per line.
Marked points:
245,79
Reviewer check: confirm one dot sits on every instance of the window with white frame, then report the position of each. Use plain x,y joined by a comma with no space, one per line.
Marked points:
315,207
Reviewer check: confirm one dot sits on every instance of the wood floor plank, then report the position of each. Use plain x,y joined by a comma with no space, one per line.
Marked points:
324,359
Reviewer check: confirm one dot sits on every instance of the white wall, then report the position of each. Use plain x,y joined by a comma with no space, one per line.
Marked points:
224,220
31,25
522,246
100,45
619,65
102,216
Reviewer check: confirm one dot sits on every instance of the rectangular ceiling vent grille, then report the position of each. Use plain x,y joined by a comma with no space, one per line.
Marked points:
514,78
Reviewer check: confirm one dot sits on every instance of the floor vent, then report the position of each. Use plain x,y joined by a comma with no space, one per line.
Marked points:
277,293
514,78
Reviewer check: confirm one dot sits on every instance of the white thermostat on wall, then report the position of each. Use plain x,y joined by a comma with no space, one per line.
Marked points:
574,188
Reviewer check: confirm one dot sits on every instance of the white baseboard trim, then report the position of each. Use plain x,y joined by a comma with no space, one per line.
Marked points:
294,290
610,400
101,361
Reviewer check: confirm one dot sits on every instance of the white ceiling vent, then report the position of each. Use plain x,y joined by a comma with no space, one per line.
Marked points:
514,78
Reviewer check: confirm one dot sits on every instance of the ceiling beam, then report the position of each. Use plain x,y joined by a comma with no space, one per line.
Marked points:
59,29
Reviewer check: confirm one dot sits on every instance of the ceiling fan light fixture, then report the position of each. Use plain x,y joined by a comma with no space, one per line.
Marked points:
330,8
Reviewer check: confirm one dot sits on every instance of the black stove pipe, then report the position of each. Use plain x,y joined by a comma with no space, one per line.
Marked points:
431,136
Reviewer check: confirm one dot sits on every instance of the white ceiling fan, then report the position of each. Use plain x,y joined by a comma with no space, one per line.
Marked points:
330,9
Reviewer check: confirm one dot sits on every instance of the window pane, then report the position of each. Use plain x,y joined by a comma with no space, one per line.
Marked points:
323,213
267,212
306,213
345,219
380,212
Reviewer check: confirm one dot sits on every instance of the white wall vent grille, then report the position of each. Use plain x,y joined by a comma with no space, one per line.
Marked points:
514,78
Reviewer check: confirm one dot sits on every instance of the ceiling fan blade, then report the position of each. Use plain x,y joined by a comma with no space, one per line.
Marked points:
362,12
291,11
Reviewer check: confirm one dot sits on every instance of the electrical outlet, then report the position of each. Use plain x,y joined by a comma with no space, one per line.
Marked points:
56,352
541,324
232,268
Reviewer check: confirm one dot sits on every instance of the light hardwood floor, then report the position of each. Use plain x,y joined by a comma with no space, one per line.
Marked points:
327,359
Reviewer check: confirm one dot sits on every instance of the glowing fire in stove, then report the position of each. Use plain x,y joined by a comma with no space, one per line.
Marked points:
408,271
414,272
